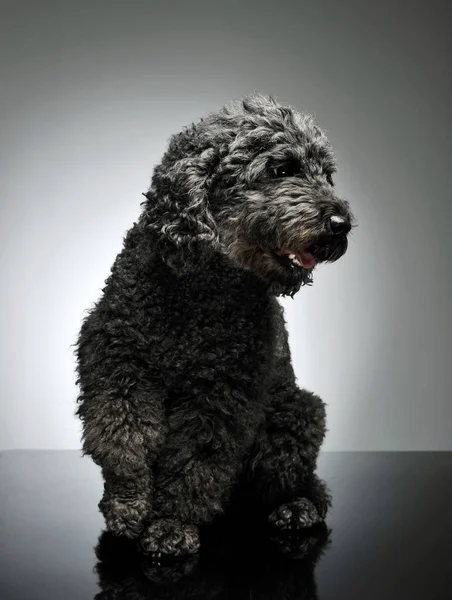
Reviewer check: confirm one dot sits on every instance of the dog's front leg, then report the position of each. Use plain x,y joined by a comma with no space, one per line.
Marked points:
122,433
197,466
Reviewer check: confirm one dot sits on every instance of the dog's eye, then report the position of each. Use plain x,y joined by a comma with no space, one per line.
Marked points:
286,170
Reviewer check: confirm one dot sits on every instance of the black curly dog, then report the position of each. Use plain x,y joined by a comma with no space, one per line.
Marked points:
186,385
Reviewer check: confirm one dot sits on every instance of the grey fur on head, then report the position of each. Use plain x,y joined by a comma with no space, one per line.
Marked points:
217,188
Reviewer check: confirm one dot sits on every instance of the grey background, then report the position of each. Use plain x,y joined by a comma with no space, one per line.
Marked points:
91,91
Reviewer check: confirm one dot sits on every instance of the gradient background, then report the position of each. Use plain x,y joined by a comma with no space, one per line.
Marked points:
90,93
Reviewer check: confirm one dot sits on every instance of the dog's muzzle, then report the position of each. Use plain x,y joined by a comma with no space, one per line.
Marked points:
329,246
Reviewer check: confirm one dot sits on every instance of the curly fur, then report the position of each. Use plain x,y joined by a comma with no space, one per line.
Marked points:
186,386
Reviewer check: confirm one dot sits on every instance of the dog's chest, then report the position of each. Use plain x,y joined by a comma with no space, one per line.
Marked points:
225,338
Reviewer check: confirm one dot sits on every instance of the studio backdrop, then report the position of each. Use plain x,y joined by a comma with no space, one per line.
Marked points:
91,92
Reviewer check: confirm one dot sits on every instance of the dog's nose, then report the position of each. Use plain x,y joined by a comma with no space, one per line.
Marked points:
339,225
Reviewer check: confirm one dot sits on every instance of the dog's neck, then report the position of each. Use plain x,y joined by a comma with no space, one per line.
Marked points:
221,271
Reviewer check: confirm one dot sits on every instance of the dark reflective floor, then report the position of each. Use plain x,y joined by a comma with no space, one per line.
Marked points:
390,538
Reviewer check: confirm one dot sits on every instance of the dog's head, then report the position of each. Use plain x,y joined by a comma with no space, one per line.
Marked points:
254,181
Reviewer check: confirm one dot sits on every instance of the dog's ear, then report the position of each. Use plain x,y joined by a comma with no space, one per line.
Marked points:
177,207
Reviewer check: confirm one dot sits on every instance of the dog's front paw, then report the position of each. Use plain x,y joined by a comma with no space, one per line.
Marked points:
125,516
295,515
169,537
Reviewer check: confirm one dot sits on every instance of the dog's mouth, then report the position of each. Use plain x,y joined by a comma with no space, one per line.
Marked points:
323,250
302,259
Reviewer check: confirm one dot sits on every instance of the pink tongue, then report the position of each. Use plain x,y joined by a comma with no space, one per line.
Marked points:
306,259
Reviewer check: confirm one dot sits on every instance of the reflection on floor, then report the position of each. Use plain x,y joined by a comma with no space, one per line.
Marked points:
237,561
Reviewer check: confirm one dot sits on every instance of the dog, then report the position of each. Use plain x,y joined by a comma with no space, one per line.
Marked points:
188,398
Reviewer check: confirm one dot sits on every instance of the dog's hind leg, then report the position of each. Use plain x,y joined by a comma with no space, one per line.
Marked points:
280,474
